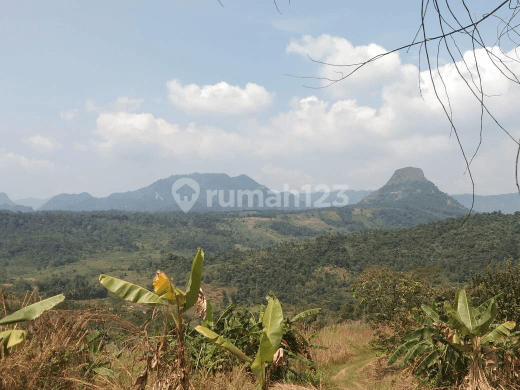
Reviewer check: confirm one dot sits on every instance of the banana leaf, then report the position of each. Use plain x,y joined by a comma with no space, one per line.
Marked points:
33,311
304,314
499,332
272,322
12,339
431,313
129,291
193,287
222,343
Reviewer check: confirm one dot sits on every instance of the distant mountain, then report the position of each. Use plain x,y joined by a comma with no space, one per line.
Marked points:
8,204
4,199
71,202
35,203
506,203
409,188
216,191
158,196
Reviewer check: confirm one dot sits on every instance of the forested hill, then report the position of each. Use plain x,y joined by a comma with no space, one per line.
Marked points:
54,238
324,267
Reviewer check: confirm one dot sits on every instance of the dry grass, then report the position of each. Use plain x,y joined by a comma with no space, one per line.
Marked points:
239,378
343,342
351,362
55,355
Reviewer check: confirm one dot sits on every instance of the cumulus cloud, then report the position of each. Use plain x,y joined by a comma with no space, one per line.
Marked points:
44,144
339,51
403,128
359,139
25,163
220,98
125,133
316,126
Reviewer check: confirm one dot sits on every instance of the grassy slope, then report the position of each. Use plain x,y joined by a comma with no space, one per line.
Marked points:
350,363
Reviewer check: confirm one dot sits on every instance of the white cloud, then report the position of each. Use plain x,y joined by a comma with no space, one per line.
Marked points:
220,99
339,51
316,126
128,134
69,115
364,142
27,164
45,144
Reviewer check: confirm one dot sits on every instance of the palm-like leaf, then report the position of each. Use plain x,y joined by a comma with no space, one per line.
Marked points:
484,306
431,313
419,334
222,343
417,350
455,320
129,291
304,314
464,311
484,319
499,332
12,339
400,351
193,287
272,322
429,360
33,311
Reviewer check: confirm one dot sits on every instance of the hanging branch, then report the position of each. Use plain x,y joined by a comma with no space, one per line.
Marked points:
506,28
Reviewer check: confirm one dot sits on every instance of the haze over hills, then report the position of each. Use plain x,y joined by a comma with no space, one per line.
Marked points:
506,203
158,196
7,204
222,189
35,203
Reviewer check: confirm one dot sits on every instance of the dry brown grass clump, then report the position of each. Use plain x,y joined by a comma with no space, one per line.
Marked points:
342,341
237,379
55,356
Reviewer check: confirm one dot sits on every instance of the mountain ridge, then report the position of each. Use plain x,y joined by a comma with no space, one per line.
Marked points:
157,196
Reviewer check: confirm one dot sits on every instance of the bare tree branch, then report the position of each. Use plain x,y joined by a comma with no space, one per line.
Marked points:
472,79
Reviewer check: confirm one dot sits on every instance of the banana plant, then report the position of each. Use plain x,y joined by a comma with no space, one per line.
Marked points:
175,302
13,339
467,332
272,329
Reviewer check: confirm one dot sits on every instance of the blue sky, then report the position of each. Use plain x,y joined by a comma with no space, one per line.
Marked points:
108,97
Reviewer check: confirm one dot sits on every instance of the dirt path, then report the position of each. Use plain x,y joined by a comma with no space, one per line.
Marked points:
369,372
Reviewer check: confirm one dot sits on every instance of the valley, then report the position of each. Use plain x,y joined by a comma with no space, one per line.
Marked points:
413,242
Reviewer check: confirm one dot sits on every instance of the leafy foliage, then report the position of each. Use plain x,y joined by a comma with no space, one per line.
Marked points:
443,348
13,339
502,281
176,302
243,335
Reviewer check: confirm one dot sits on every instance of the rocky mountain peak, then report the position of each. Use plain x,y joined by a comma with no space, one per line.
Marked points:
407,174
